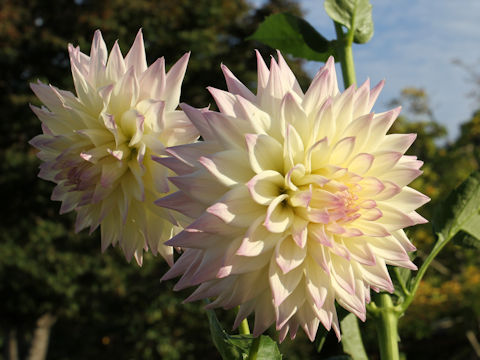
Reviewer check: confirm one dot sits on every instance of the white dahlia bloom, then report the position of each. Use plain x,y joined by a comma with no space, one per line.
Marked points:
300,200
97,145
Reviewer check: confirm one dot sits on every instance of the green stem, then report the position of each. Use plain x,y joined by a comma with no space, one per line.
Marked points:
244,329
386,321
344,54
441,242
253,353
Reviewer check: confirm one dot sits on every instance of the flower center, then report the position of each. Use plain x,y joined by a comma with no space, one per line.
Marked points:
321,200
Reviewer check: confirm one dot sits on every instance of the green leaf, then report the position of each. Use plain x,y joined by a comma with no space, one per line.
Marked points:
355,15
237,347
460,211
268,349
221,340
352,338
293,35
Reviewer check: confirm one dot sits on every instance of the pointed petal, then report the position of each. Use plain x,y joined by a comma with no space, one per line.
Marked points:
173,82
136,56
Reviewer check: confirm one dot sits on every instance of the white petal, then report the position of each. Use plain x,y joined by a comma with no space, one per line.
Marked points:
173,82
293,150
288,74
388,248
360,128
320,254
237,208
376,275
380,125
136,55
323,85
235,86
229,167
282,285
259,120
289,307
258,240
397,142
289,255
229,131
343,274
293,114
153,81
343,107
318,283
360,251
279,217
224,100
342,151
198,185
182,203
384,161
403,240
401,176
115,65
263,72
361,163
263,152
266,186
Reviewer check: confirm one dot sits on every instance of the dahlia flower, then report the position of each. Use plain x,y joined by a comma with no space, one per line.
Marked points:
299,198
97,145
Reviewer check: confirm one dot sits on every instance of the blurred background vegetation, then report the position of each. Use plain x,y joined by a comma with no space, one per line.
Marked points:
55,285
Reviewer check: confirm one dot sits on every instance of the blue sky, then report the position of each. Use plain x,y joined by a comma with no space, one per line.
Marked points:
414,44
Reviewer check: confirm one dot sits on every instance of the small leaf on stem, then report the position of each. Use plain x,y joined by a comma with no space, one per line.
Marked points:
355,15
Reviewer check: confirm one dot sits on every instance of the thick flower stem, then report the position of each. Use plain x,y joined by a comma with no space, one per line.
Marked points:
386,321
345,55
253,353
243,329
